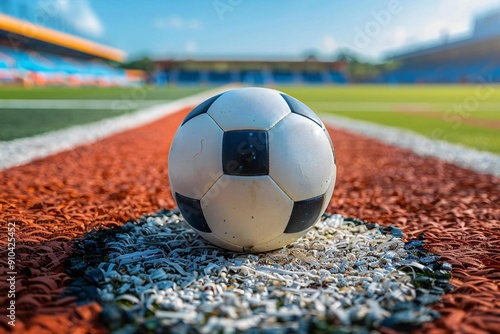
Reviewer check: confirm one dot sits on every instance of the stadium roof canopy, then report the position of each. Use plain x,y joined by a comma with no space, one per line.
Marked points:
483,43
24,34
471,48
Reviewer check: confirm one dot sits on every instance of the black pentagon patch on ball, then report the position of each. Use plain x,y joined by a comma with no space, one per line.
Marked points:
245,153
304,214
192,212
300,108
201,108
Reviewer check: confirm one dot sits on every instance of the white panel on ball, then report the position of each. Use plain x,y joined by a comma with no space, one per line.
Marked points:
251,108
246,211
281,241
329,192
301,164
195,162
214,239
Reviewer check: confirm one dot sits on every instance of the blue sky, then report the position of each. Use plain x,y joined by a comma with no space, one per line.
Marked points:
261,28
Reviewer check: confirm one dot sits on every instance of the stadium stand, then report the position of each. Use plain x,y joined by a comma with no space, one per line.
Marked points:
249,71
473,59
43,56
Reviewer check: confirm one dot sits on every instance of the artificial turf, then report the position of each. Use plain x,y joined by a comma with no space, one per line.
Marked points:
21,123
18,123
98,93
448,113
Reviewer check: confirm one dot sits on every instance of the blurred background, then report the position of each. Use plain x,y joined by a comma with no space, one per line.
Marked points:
430,67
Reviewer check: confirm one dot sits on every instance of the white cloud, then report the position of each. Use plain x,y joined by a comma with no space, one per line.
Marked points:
399,37
81,16
329,45
438,29
448,19
452,18
178,23
191,47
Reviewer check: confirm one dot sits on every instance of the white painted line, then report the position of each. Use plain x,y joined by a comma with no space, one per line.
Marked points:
24,150
479,161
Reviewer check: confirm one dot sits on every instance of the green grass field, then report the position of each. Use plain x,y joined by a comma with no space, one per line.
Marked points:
25,122
28,122
97,93
468,115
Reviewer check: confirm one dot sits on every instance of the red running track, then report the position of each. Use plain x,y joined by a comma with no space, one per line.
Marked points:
59,198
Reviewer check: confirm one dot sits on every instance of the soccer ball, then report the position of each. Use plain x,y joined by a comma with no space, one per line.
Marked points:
252,169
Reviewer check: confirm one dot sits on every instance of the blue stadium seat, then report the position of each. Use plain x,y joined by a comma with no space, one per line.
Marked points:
188,77
313,77
451,71
219,77
283,77
338,77
56,69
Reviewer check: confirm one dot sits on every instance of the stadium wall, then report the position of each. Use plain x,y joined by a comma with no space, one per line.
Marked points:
249,71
